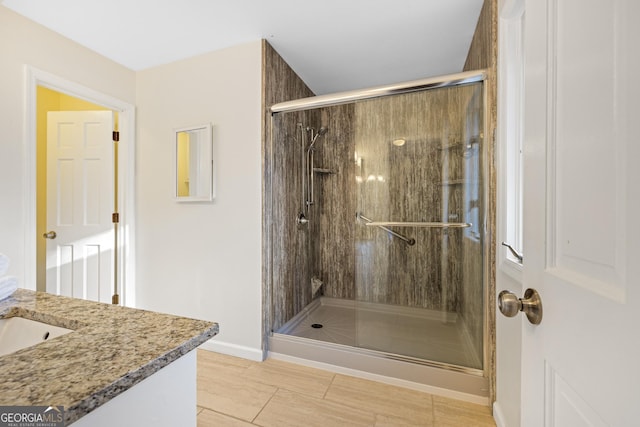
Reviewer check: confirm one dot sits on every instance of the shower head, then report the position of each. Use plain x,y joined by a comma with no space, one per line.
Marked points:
320,132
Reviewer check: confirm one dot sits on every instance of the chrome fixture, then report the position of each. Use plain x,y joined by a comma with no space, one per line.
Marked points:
531,305
323,171
408,240
420,224
376,92
308,169
301,219
516,254
310,161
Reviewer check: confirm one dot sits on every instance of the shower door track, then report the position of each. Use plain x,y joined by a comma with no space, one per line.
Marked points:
339,98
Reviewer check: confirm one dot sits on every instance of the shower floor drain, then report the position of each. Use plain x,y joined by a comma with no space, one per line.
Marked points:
316,325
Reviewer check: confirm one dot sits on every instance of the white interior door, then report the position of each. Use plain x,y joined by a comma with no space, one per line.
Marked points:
80,201
581,365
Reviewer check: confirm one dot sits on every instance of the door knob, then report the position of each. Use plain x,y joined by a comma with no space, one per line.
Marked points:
530,304
50,235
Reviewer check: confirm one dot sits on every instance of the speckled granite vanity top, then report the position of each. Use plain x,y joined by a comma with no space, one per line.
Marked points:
111,349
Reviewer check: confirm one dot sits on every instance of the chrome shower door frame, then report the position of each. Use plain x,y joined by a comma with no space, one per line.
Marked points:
403,88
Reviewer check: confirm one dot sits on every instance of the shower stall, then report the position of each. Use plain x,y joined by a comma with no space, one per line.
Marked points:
377,231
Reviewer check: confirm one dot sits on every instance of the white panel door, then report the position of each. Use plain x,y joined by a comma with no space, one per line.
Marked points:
80,200
581,365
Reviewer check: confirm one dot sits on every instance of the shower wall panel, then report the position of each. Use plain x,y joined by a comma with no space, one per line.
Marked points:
292,267
483,54
333,214
426,179
285,257
422,181
472,299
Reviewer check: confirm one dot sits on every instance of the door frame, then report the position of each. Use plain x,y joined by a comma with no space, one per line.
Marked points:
126,174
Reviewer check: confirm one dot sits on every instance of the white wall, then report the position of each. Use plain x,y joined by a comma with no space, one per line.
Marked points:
508,354
203,260
199,260
508,275
23,42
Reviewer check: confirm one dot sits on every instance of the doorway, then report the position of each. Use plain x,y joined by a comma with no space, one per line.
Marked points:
46,92
76,196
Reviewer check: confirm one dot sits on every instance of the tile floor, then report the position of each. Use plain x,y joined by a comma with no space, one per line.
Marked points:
236,392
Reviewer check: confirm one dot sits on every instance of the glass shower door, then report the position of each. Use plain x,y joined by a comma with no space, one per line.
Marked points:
419,246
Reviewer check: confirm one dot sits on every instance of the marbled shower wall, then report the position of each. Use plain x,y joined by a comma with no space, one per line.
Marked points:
435,176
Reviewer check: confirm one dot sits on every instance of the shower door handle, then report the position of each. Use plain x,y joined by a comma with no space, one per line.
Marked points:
531,305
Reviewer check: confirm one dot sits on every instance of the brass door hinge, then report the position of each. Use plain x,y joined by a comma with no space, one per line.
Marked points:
116,136
115,217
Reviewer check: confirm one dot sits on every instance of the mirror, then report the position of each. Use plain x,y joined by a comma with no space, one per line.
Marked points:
193,164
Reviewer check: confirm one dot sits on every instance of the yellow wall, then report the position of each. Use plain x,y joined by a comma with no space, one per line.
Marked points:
183,164
50,100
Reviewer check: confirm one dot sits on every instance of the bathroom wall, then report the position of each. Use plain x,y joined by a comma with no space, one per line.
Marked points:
424,180
483,54
284,240
292,268
23,42
203,260
402,183
333,212
508,331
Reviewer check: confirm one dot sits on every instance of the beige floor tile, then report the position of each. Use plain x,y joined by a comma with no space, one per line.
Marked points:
292,377
289,409
277,393
209,418
382,399
387,421
209,360
451,413
233,395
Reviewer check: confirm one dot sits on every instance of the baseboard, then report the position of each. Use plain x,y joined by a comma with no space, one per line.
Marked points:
498,417
230,349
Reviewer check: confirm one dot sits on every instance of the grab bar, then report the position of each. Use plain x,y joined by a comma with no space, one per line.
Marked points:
408,240
419,224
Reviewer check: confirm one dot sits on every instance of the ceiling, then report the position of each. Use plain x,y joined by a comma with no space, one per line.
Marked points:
333,45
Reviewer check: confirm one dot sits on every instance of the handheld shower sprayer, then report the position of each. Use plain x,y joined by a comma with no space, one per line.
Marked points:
308,170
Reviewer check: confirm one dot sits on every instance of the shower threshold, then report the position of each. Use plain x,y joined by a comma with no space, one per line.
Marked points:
418,366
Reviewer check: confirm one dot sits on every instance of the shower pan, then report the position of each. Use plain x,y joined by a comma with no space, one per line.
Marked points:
378,237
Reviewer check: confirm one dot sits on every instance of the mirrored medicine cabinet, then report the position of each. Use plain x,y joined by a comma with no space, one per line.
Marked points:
193,164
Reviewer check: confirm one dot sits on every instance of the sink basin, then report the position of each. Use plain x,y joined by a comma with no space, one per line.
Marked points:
17,333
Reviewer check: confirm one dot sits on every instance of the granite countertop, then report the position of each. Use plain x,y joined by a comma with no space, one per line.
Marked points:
111,349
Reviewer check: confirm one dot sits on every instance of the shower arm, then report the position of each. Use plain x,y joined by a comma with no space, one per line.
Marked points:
408,240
